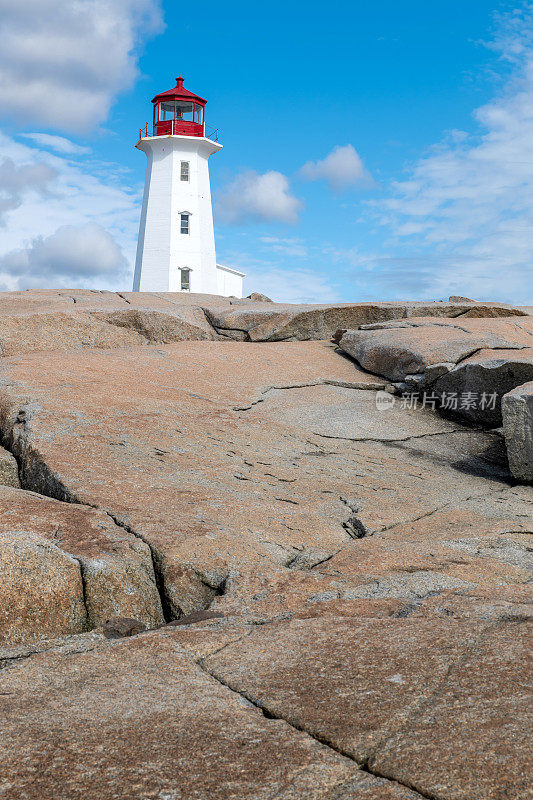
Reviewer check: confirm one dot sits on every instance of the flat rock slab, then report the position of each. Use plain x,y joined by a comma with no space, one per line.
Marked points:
139,719
421,691
476,711
152,437
340,412
333,563
61,330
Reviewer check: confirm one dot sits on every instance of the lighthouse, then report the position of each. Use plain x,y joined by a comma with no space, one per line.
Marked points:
176,246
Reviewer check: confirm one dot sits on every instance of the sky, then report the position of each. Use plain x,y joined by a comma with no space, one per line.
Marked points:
371,150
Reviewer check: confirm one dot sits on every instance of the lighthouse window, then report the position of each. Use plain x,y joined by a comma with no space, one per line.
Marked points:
185,279
166,111
184,171
184,220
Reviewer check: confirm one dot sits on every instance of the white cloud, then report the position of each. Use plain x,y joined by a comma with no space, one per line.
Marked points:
341,168
290,285
294,285
288,246
62,62
251,196
73,257
464,216
17,181
71,198
57,143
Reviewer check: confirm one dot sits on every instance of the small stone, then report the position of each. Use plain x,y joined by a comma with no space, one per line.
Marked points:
337,336
257,297
120,627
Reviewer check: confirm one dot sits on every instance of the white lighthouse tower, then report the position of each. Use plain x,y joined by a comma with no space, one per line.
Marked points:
176,247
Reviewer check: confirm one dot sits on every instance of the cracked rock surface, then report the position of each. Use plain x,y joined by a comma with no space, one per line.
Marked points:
368,574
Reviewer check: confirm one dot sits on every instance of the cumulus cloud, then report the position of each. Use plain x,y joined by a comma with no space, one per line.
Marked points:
55,193
73,257
254,197
16,181
57,143
62,62
341,168
465,213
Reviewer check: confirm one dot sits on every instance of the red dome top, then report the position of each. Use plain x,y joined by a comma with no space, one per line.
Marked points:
179,92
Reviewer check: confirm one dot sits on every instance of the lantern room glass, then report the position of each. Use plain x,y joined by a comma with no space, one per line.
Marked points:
180,110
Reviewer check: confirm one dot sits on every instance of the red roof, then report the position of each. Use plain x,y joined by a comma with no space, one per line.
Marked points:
179,92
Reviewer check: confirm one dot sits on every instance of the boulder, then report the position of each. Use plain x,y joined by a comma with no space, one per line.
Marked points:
465,365
396,349
120,627
517,412
116,567
9,475
41,588
480,382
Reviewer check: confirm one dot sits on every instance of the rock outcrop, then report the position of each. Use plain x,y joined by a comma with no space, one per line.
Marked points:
257,323
466,365
232,569
47,320
399,349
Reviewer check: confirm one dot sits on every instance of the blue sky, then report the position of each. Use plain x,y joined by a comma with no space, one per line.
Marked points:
371,151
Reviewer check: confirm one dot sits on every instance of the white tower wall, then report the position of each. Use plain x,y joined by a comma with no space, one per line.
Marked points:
162,249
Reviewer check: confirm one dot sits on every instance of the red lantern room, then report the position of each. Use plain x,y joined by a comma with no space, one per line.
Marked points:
179,112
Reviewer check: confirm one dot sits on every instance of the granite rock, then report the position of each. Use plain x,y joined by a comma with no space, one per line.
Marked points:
109,568
8,469
517,411
320,594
